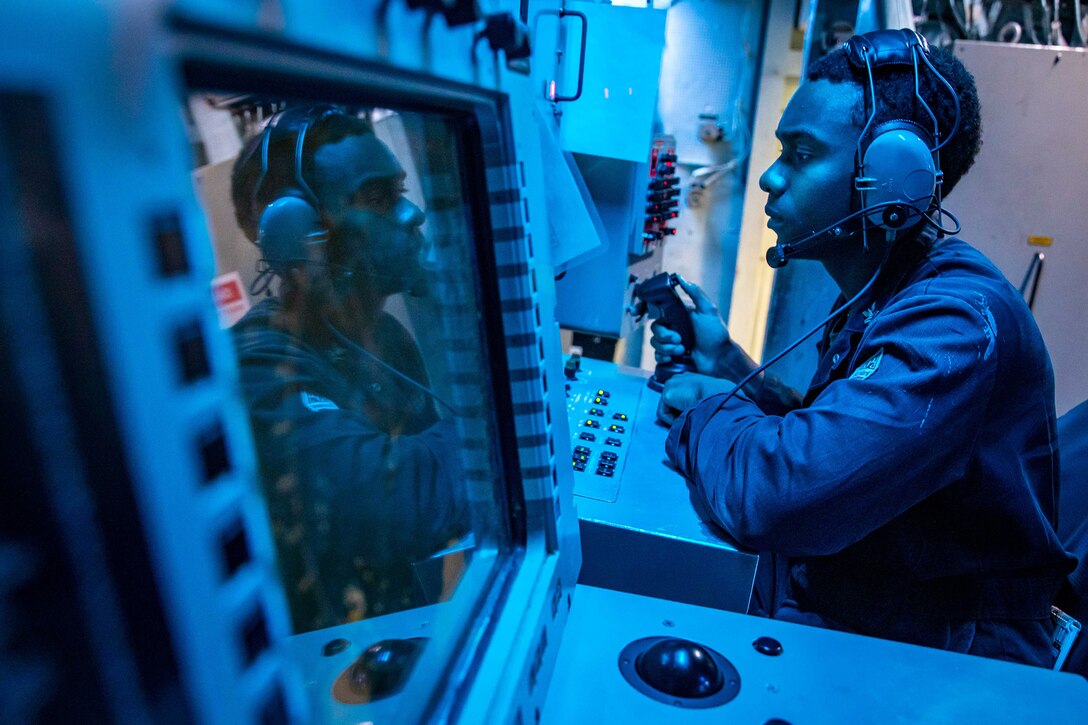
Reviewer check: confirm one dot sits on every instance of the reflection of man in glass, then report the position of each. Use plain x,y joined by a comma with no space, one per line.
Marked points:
355,461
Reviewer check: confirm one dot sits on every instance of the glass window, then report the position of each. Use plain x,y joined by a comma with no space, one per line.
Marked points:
346,272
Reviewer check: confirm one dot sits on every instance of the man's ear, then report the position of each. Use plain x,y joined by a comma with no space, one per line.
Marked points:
304,284
293,287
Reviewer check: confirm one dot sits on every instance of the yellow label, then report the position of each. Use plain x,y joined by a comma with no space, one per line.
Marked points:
797,39
1036,240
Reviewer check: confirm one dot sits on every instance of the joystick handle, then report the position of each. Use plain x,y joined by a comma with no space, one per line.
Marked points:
657,296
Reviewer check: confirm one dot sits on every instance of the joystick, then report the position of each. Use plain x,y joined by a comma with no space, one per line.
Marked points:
657,297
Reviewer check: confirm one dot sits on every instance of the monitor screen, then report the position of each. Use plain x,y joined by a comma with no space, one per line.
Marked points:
348,255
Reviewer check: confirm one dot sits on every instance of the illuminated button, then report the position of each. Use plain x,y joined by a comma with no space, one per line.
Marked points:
604,394
581,449
600,401
587,436
613,442
579,466
592,423
596,411
617,428
619,416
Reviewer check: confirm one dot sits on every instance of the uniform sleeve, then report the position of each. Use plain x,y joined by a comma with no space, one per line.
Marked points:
870,446
403,491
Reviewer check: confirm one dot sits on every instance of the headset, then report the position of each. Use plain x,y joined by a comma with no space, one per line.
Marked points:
290,230
897,169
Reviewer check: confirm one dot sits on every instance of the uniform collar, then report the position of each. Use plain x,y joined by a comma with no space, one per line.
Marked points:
904,257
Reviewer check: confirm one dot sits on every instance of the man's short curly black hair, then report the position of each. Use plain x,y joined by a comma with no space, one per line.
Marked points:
331,128
896,100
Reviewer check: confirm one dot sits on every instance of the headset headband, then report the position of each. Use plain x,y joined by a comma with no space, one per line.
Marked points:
885,47
295,122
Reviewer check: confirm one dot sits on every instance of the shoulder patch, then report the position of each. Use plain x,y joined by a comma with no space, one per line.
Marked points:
867,368
317,402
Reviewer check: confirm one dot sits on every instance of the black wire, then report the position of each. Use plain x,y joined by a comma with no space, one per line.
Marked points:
865,211
834,313
943,212
961,24
955,101
360,350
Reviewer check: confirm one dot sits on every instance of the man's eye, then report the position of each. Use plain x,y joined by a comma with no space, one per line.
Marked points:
369,198
796,156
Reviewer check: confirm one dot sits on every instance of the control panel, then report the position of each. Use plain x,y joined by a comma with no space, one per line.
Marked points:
662,197
601,410
639,528
628,658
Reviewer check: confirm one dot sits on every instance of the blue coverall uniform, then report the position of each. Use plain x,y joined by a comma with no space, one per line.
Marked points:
915,488
360,475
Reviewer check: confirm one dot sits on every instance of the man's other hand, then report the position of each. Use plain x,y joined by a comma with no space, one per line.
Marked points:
685,390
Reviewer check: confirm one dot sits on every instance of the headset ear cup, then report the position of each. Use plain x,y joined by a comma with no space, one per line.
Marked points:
290,228
897,169
290,233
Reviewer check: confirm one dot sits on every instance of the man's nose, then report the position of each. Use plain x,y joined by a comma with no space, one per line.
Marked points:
772,181
408,214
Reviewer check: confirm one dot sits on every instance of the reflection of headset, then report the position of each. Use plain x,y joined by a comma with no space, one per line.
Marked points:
897,165
290,226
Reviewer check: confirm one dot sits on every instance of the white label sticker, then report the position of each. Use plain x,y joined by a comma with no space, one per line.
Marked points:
317,403
867,368
231,301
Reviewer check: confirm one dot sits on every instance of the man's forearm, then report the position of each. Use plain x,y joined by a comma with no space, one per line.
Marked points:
766,390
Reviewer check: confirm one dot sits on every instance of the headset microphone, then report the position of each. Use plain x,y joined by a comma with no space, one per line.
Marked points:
780,254
897,173
894,215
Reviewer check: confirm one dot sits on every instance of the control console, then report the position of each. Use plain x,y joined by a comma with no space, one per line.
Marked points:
601,409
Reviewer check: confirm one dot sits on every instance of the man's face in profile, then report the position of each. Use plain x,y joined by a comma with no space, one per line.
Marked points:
810,185
377,227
